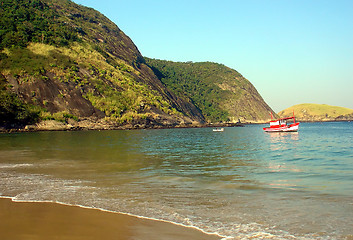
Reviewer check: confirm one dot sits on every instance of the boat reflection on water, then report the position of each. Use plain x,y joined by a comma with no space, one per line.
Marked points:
284,136
283,140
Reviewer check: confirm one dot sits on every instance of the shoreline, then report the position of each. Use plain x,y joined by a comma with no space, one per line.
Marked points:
48,220
52,125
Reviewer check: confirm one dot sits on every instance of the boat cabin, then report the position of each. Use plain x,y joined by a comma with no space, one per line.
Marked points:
278,123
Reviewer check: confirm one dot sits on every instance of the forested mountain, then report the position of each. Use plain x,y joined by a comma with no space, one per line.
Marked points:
63,61
221,93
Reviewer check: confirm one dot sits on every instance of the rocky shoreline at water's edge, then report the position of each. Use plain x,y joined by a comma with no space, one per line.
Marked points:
102,124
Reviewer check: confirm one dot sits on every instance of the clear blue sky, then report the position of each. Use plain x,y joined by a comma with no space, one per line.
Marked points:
292,51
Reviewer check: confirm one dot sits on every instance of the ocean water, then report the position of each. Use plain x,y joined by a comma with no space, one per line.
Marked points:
242,183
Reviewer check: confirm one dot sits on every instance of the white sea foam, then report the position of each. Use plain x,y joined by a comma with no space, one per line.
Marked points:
19,165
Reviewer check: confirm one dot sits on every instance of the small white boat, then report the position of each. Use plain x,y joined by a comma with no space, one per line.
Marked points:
218,129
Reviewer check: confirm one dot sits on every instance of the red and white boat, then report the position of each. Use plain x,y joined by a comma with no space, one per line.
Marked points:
280,125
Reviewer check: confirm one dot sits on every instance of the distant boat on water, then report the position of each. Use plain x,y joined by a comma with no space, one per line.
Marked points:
280,125
218,129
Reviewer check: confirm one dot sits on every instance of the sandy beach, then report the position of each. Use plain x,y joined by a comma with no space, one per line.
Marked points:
37,221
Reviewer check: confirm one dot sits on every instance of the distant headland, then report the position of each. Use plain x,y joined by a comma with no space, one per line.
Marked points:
310,112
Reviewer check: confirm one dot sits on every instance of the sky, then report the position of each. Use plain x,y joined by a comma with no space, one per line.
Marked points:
292,51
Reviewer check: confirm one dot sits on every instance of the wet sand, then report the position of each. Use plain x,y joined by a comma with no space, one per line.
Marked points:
43,221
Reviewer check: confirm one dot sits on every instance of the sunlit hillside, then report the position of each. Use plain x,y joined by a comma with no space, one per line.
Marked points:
318,112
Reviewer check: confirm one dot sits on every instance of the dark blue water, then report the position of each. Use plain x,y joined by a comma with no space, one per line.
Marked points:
241,183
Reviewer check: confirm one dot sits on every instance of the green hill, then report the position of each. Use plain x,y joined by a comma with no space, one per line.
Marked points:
221,93
63,61
318,112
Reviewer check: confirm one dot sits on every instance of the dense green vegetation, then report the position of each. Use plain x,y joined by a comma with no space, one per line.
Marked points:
221,93
198,82
24,21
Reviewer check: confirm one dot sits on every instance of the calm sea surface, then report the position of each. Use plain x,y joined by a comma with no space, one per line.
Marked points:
240,183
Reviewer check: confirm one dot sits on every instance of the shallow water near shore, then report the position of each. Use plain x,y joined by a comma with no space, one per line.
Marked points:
242,183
